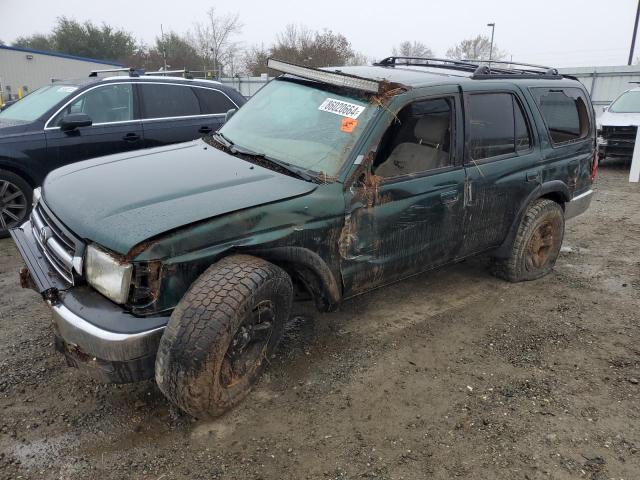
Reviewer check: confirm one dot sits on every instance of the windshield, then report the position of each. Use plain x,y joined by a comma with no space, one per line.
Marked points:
36,104
628,102
302,124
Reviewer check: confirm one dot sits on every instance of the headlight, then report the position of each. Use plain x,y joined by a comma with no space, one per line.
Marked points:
108,275
37,194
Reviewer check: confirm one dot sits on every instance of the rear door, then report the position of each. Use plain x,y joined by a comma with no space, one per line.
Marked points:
501,162
174,112
116,126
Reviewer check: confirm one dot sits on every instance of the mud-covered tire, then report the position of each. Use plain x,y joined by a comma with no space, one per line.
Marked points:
537,243
194,369
11,184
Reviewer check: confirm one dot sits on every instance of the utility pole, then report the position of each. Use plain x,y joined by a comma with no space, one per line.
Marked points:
635,32
493,28
164,48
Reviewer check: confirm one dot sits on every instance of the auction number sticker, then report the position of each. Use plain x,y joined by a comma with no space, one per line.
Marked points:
344,109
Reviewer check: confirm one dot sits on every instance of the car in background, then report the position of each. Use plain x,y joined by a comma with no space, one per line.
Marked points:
618,125
75,120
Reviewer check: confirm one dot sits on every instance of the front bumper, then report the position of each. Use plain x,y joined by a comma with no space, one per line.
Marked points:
578,204
94,334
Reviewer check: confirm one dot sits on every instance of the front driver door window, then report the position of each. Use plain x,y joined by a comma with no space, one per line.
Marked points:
406,216
114,129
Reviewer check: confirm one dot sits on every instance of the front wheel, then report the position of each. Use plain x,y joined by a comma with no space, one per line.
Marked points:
221,334
15,201
536,246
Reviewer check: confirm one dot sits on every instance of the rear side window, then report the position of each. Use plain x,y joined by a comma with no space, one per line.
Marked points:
213,102
564,112
497,126
161,101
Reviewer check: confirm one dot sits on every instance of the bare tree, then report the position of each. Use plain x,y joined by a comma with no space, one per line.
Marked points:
412,49
213,38
359,58
477,48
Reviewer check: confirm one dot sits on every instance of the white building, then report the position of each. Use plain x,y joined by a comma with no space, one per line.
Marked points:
24,70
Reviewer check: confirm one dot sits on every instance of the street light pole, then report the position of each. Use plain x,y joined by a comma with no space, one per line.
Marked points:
493,28
635,32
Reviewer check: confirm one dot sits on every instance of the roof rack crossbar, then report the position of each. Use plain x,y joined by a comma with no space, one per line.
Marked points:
132,71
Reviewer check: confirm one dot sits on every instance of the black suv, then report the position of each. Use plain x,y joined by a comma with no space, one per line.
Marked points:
183,262
70,121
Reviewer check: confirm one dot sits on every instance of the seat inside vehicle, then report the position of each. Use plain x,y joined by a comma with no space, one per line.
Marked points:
417,142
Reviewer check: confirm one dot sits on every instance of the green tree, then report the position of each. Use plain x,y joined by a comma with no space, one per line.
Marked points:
84,39
477,48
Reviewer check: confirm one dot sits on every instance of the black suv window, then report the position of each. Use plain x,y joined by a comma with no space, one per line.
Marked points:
162,100
105,104
497,125
564,112
213,102
418,141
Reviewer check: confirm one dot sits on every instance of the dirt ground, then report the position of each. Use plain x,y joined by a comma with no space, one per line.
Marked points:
453,374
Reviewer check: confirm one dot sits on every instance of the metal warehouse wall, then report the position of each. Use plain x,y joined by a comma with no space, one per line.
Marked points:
605,83
34,70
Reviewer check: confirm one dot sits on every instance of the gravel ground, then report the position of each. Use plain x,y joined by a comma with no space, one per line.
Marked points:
454,374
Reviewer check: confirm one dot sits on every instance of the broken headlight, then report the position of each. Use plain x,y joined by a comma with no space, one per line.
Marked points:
107,274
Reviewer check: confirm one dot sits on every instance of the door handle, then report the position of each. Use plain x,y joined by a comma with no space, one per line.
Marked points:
131,137
532,176
451,196
205,129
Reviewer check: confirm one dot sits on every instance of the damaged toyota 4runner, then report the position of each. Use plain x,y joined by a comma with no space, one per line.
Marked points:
182,262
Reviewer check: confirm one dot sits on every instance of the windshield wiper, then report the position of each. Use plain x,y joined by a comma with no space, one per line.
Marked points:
299,172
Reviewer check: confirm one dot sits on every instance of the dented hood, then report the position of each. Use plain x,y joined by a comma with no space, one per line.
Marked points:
121,200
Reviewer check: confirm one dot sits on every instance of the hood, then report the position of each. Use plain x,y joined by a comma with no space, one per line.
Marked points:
10,127
612,119
121,200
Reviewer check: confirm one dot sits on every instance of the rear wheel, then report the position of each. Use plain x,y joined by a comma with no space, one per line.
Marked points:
221,334
536,246
15,201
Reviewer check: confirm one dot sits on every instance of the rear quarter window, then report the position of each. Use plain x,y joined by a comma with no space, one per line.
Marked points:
213,102
565,113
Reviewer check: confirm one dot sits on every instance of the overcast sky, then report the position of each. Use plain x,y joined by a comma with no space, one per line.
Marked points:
552,32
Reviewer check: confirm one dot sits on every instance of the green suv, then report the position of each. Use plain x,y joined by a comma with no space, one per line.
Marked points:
182,262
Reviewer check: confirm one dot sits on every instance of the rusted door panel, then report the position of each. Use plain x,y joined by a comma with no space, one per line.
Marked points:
406,227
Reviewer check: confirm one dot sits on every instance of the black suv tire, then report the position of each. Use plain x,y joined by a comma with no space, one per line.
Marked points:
10,186
227,324
536,246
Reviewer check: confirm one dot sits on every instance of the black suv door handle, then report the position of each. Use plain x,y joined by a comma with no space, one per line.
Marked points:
205,129
451,196
131,137
532,176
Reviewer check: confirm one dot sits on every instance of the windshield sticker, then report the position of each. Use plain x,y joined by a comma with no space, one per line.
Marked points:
344,109
348,125
67,89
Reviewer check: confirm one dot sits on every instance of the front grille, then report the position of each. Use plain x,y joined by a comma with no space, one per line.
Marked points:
58,247
620,138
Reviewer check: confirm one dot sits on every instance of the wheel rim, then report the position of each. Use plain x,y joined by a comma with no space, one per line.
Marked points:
13,204
248,346
541,244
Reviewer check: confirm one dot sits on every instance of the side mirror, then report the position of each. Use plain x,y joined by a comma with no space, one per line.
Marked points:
75,120
229,114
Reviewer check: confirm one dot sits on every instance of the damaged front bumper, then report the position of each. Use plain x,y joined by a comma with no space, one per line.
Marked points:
95,335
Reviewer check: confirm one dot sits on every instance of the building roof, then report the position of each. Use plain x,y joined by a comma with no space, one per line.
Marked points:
61,55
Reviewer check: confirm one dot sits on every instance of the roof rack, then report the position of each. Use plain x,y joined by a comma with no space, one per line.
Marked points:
184,72
132,71
480,69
